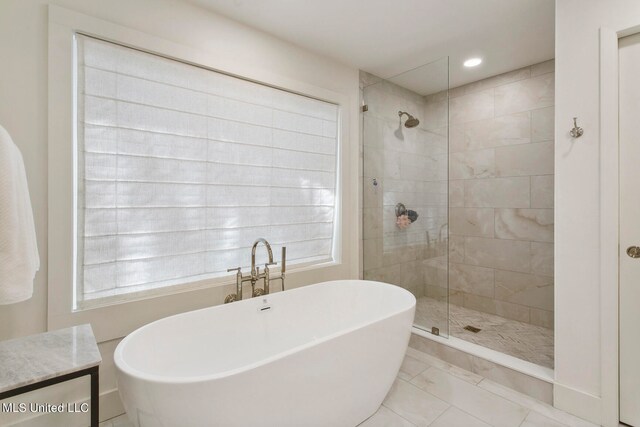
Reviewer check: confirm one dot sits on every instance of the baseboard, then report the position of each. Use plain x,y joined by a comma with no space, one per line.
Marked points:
579,403
110,407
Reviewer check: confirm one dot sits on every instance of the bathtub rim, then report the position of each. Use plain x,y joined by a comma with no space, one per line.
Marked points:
123,366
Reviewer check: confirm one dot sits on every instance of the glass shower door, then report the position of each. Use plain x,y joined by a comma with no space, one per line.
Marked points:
405,187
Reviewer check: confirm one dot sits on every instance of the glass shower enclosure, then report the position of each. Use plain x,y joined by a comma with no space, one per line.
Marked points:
405,147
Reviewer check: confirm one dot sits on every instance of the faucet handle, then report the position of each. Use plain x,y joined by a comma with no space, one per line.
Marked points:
238,269
270,263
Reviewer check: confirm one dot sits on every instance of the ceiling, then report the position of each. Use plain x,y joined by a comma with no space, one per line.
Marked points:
389,37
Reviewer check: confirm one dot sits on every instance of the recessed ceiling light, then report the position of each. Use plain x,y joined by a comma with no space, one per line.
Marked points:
472,62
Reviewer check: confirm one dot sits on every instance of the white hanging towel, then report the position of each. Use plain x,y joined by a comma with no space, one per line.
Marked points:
19,258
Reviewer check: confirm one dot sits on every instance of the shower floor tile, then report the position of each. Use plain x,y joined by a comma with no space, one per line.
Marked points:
522,340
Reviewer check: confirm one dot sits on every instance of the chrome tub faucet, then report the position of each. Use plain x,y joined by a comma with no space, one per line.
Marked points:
256,274
255,271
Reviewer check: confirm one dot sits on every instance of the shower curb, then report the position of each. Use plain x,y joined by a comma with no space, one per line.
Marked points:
524,377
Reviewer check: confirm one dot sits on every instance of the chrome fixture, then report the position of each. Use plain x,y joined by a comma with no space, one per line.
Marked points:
255,271
240,279
633,251
256,275
577,131
411,121
401,210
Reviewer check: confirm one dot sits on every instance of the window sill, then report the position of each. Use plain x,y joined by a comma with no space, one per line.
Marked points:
177,288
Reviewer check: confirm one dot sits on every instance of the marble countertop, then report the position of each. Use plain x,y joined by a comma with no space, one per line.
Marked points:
35,358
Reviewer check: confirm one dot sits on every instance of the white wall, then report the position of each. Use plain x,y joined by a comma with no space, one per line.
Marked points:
23,111
578,333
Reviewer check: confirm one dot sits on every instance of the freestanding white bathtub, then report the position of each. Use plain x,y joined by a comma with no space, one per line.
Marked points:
322,355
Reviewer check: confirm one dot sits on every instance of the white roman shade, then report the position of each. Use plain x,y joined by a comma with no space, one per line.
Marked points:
180,169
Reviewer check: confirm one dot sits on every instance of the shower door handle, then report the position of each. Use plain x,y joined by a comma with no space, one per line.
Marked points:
633,251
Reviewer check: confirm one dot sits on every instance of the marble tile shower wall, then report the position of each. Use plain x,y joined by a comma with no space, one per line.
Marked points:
501,194
409,166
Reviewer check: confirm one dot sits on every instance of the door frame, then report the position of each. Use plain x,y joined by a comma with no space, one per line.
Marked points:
610,223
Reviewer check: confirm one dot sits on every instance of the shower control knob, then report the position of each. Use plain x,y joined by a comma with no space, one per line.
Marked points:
633,251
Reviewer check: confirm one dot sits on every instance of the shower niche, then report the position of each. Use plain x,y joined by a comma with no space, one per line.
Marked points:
405,186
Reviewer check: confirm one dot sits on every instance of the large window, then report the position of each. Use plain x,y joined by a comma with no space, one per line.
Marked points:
180,169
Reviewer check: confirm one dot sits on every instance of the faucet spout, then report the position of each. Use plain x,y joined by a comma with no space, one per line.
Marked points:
254,271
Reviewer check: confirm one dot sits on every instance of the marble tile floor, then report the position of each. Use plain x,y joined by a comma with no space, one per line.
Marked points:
522,340
431,392
119,421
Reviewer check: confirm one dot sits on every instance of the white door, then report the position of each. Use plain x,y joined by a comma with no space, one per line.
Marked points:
629,63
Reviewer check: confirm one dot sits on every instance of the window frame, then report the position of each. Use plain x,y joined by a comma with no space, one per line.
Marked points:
133,313
179,284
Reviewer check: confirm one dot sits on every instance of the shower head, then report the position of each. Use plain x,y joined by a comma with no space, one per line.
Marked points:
411,121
